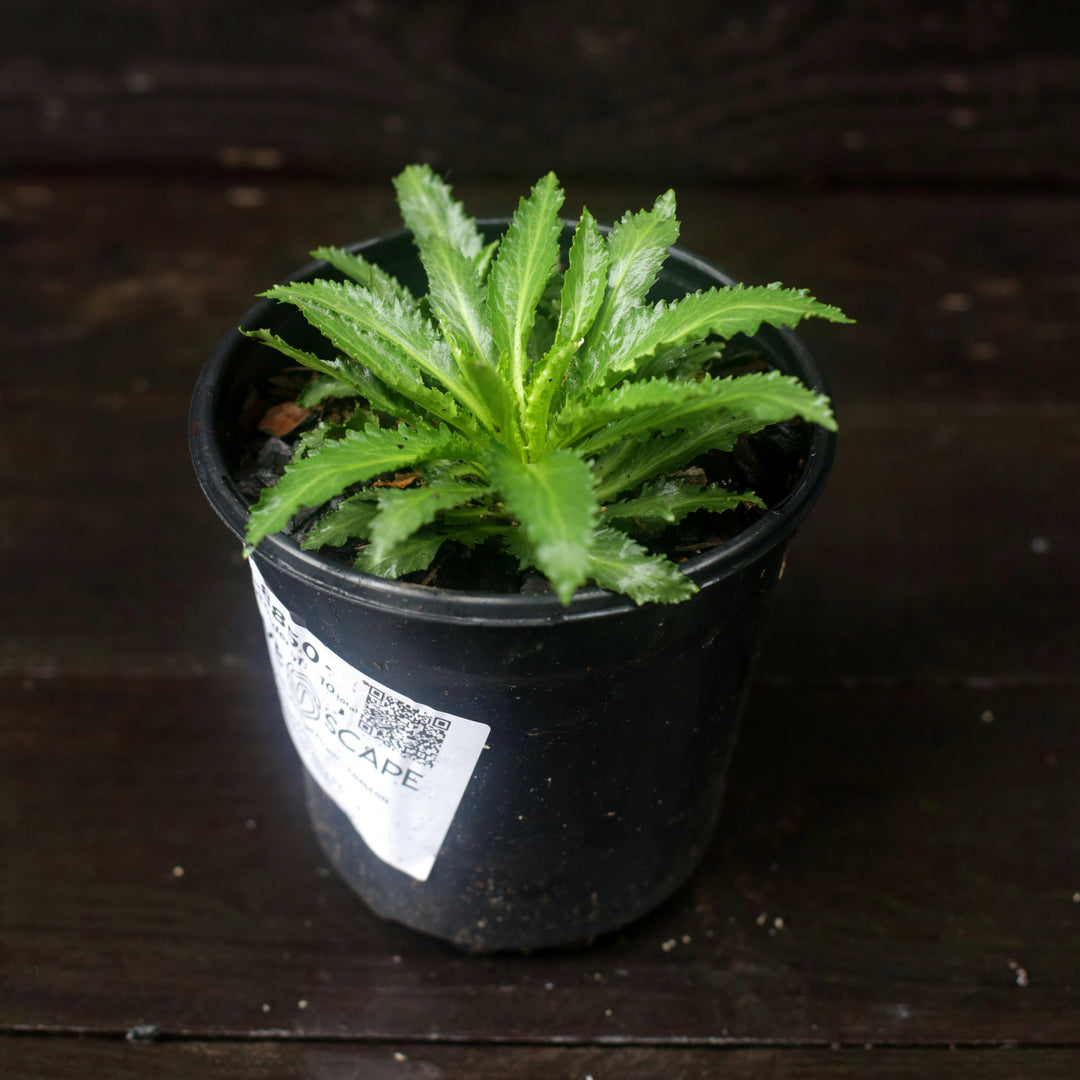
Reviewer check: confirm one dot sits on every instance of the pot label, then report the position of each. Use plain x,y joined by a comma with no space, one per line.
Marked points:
395,767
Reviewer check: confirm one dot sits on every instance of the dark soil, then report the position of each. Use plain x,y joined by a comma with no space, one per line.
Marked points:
768,463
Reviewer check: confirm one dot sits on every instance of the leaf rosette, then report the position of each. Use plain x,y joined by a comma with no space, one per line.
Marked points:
547,408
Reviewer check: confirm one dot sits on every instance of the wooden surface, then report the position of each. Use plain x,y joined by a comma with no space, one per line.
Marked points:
800,91
894,886
903,796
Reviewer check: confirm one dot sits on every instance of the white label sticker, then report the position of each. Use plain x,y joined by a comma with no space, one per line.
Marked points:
397,769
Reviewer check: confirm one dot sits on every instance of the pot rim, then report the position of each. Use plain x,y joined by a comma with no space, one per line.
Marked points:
433,603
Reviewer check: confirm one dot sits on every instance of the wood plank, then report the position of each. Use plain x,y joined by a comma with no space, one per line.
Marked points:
115,280
86,1059
920,848
945,528
793,93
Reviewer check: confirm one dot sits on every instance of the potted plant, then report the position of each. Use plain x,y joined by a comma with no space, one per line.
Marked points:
554,417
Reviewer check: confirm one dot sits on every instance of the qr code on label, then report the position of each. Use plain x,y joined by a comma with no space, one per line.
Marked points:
413,733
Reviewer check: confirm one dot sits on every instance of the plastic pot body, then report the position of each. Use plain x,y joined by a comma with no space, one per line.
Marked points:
611,726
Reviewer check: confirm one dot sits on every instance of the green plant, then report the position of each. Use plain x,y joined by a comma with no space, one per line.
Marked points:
548,410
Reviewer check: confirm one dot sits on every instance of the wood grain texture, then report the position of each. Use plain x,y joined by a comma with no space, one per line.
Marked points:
84,1059
795,93
887,863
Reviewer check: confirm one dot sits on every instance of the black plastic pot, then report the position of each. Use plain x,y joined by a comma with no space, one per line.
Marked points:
610,726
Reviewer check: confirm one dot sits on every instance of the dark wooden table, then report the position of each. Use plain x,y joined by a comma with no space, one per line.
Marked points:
894,889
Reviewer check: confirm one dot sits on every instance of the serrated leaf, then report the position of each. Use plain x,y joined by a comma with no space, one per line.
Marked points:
429,209
740,404
482,262
322,387
637,247
625,465
528,254
394,342
585,281
402,327
457,297
415,553
365,273
342,369
402,512
349,521
618,563
500,414
582,293
681,362
725,312
670,500
327,430
336,465
554,501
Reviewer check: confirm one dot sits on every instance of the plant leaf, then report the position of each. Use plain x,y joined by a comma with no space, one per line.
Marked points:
739,404
500,412
670,500
365,273
637,247
582,293
349,521
457,297
394,342
616,562
336,465
322,387
584,283
554,501
482,262
429,209
738,309
405,329
414,553
527,255
402,512
342,369
629,463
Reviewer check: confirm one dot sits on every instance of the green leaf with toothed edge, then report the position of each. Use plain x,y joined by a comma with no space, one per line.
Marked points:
457,298
404,330
527,255
365,273
669,501
742,403
402,512
739,309
416,552
637,247
618,563
340,463
390,354
634,461
482,262
554,501
348,373
343,369
566,389
349,521
428,208
582,293
498,401
323,387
